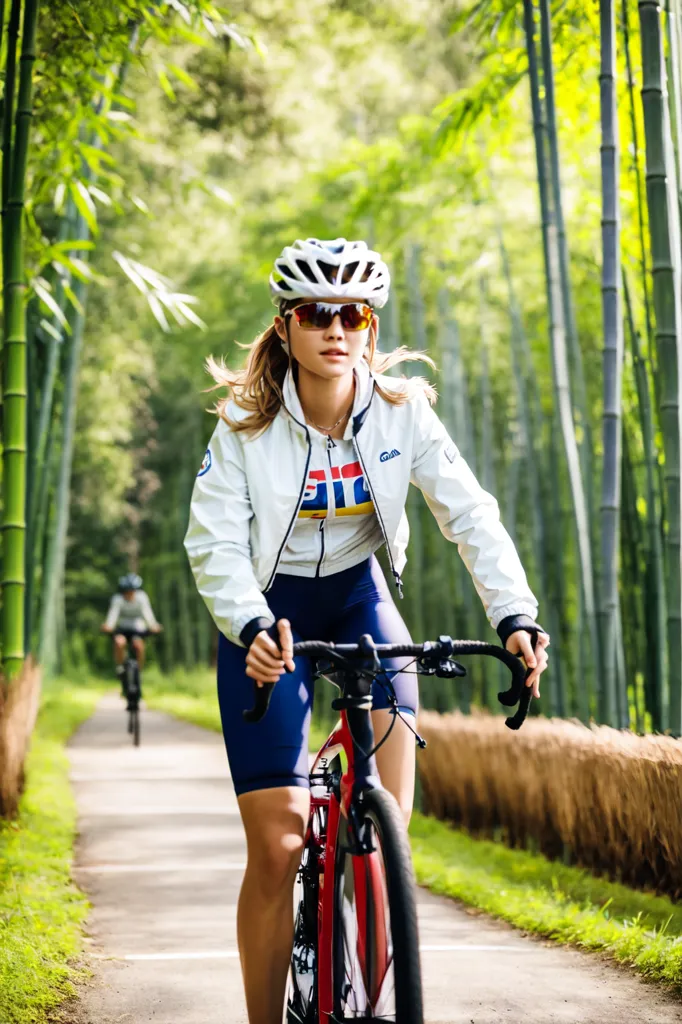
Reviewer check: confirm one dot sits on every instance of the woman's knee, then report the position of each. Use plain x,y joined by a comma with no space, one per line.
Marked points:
275,822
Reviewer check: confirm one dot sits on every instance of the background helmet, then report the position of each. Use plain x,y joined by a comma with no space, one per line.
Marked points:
335,269
131,581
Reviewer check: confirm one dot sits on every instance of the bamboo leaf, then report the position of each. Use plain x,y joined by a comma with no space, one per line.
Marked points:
77,267
158,312
73,245
97,193
127,268
221,193
190,315
182,10
73,299
233,33
50,329
184,77
121,116
42,289
165,84
59,197
141,205
84,204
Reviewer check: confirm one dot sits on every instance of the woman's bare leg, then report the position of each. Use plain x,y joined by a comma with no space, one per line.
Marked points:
275,821
396,760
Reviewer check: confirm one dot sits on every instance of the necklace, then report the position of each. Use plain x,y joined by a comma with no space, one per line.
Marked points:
328,430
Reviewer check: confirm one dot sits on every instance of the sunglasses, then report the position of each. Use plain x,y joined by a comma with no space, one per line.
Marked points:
318,316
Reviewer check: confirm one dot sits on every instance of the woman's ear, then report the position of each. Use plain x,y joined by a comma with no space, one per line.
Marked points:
281,330
280,327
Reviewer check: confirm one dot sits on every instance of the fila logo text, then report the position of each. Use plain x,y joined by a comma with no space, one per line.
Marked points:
385,456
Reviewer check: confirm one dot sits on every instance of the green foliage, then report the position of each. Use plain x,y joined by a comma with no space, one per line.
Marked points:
554,900
41,911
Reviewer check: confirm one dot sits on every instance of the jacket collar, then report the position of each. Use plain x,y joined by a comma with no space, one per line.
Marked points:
364,391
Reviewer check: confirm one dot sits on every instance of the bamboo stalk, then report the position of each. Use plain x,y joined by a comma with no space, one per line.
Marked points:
664,228
531,446
636,165
672,32
612,366
8,120
578,390
56,551
15,382
558,348
655,592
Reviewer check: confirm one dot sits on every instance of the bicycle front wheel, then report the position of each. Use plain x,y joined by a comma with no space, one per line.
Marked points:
377,974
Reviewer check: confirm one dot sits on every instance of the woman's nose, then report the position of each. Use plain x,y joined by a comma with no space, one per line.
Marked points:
335,330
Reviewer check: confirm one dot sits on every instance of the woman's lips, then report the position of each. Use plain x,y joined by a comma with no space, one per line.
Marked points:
334,353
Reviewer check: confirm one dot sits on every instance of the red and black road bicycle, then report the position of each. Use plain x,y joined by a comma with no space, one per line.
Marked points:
356,943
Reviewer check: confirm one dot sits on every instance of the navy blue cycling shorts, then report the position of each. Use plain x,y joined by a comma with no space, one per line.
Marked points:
338,609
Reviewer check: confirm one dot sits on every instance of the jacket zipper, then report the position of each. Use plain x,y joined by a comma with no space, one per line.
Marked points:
293,518
396,575
330,445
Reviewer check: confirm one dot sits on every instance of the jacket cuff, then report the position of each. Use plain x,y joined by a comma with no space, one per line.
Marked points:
253,628
511,623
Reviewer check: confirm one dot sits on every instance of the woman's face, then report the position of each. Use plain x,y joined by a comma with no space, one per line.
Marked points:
328,353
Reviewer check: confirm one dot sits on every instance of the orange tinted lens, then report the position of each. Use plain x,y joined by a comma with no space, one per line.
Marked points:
356,317
313,317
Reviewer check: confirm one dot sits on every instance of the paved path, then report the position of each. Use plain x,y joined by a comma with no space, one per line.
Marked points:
161,853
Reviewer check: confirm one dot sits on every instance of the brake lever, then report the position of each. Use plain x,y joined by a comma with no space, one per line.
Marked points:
262,697
518,692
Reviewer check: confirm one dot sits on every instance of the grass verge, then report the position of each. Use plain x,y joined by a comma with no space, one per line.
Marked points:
550,899
41,911
532,893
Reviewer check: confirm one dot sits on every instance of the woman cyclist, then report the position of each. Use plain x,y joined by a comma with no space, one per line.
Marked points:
305,477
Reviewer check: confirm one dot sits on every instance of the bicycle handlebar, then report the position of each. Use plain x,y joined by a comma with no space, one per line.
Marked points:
444,648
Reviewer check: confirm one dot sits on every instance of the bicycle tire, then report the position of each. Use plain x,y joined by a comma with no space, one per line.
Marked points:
362,991
135,713
303,974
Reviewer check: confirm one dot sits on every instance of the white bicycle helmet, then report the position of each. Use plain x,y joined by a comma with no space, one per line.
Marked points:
336,269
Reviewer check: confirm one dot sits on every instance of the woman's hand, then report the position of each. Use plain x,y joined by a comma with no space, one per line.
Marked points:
265,661
521,643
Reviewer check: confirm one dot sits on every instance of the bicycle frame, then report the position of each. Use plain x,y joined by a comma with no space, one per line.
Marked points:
360,774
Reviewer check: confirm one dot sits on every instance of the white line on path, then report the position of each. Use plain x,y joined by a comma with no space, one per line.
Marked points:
125,869
160,776
233,954
142,811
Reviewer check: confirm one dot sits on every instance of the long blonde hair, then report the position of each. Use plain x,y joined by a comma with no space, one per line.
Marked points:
257,388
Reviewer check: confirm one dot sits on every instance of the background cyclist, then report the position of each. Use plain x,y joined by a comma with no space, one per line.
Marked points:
129,619
305,478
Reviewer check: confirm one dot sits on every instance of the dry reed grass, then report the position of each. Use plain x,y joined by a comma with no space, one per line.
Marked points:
18,710
609,799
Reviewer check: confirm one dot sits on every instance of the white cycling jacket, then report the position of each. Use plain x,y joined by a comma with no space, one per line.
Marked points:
249,490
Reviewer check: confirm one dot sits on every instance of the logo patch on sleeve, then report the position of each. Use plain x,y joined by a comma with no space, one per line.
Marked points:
206,463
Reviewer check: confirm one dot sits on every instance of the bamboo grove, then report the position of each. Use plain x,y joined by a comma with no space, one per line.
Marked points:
597,513
64,109
518,162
